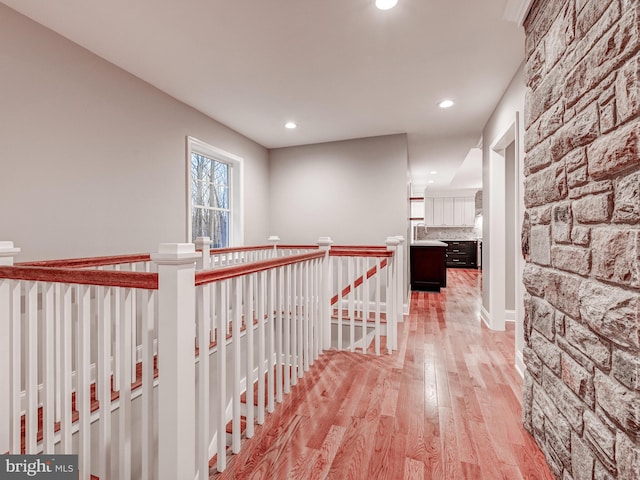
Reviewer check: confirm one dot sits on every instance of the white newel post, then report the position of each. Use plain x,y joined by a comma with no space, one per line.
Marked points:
7,252
176,387
204,245
391,300
400,273
327,284
274,239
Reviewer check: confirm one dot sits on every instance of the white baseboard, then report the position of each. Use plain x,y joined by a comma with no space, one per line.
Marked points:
485,317
520,363
509,315
407,304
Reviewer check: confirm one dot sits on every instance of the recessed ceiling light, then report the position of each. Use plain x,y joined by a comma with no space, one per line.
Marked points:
386,4
433,172
290,125
446,103
431,181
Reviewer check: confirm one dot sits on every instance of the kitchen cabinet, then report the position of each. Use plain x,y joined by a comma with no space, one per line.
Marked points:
449,211
427,266
462,253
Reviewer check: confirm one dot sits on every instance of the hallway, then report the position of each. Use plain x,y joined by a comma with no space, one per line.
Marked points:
445,406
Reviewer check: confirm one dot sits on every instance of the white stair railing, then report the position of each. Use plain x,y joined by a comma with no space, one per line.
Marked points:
80,338
61,365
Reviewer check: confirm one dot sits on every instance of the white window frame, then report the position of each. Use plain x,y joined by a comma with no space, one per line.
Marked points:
236,167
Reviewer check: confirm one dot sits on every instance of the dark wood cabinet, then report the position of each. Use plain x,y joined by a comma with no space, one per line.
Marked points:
462,253
427,266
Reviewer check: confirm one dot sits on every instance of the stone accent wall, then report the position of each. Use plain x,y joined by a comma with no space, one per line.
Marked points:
581,397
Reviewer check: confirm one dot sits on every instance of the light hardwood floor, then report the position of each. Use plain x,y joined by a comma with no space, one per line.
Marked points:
445,406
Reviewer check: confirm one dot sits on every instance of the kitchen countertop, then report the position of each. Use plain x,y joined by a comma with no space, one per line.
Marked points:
429,243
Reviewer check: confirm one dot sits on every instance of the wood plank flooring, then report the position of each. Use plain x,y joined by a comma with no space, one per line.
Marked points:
445,406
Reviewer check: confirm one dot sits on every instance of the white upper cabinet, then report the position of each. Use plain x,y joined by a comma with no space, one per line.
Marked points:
449,211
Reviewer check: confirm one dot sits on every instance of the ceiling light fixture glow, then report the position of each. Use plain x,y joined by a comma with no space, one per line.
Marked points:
433,172
386,4
290,125
446,103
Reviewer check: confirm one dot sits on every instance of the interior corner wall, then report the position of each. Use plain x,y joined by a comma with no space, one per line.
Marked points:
93,159
354,191
501,119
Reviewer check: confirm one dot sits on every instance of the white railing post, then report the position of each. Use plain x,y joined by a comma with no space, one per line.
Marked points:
204,245
176,389
274,239
401,276
327,283
7,252
391,296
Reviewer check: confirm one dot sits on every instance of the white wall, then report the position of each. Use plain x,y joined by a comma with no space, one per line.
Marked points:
354,191
508,114
92,159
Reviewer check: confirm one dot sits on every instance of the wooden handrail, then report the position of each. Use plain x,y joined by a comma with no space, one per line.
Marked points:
298,247
360,247
89,261
240,249
105,278
225,273
360,252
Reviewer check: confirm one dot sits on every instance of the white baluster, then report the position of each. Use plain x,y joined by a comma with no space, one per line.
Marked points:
261,292
124,411
306,318
31,377
103,382
294,316
271,350
287,330
66,383
221,414
339,261
351,306
365,300
83,378
48,363
116,335
15,355
279,342
237,372
248,318
377,301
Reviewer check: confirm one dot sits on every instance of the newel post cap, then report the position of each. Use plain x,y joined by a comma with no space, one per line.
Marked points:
7,249
325,242
273,239
392,242
202,242
175,254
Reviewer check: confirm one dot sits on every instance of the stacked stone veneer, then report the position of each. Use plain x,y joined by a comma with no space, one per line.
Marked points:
581,397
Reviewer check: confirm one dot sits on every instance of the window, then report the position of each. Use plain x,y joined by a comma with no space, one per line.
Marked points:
214,194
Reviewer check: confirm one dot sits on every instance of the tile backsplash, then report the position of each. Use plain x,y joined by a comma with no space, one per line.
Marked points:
446,233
